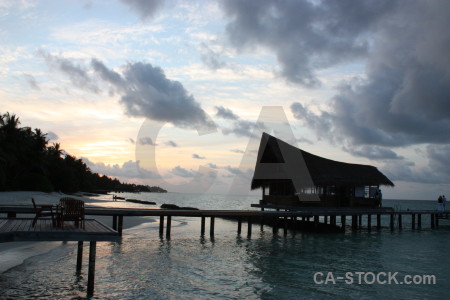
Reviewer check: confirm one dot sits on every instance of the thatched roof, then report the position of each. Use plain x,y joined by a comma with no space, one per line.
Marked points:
322,171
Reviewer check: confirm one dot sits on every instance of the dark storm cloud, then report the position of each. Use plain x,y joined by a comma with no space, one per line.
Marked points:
196,156
146,9
147,92
226,113
144,89
439,160
305,35
77,74
108,75
404,98
436,172
374,152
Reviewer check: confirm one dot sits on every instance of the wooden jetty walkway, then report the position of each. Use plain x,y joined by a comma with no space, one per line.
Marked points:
21,229
314,215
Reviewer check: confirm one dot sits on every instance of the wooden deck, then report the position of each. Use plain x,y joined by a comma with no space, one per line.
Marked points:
20,229
279,215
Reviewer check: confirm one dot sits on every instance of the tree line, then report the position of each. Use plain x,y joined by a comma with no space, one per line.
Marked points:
29,163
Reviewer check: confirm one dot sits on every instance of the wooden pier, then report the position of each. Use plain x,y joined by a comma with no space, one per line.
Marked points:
317,216
21,229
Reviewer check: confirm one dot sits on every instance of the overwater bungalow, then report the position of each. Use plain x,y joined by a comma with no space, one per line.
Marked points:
289,176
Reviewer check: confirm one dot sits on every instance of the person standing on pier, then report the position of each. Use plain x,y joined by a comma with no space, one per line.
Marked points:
443,202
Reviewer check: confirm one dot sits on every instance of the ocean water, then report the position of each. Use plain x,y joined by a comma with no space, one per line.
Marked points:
228,266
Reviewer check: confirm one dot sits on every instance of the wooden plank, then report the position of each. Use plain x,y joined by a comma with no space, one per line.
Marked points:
21,230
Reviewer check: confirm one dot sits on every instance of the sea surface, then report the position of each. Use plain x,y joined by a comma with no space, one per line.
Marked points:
373,264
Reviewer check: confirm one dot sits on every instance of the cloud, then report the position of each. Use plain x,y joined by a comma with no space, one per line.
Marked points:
144,8
305,140
237,151
146,141
226,113
128,170
196,156
211,58
439,160
144,89
374,152
241,128
305,36
248,174
77,74
171,143
31,81
147,92
182,172
403,99
213,166
51,136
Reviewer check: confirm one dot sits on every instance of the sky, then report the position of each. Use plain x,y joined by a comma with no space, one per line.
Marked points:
178,93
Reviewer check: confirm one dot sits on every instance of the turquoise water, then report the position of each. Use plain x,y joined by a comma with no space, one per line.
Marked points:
228,266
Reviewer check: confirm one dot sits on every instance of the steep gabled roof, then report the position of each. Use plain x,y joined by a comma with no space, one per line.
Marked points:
279,160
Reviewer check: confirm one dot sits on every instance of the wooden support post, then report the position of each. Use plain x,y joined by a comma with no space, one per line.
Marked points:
400,225
343,219
436,217
169,226
91,272
211,230
360,221
354,222
432,220
392,221
325,219
161,226
120,226
261,224
378,221
79,257
316,222
275,225
413,221
202,226
333,220
285,225
369,221
239,225
249,229
419,220
114,222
